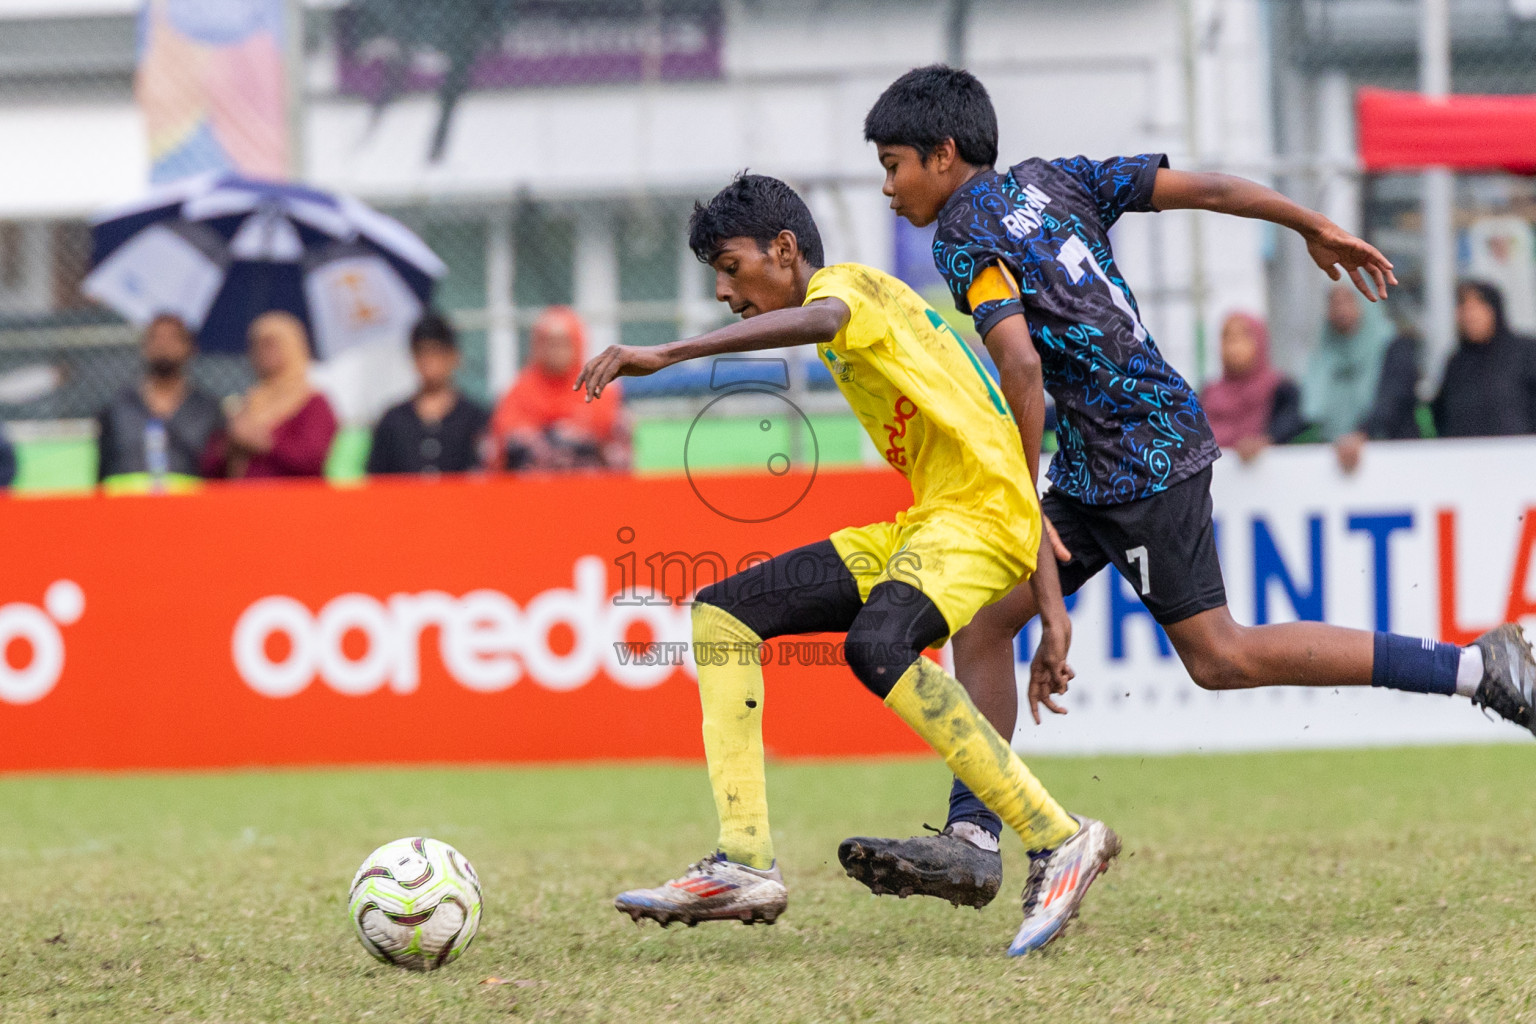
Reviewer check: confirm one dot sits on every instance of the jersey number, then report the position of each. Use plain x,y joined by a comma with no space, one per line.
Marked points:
1137,556
1080,263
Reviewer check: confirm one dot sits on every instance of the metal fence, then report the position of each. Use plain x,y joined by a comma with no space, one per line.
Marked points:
1323,50
622,261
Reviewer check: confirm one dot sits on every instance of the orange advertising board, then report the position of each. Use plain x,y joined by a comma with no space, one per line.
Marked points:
404,621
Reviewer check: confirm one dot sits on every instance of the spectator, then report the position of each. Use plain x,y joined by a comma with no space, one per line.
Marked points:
1253,405
1339,388
160,426
1390,410
438,430
7,463
1393,415
282,426
542,423
1489,388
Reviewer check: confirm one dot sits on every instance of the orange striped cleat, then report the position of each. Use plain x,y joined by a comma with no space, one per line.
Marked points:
714,889
1058,881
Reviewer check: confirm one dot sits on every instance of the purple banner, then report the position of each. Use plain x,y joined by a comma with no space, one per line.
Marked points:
538,44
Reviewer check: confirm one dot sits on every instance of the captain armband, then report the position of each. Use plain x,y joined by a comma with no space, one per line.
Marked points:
993,284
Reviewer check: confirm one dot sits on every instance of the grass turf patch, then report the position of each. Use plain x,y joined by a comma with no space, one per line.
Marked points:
1372,885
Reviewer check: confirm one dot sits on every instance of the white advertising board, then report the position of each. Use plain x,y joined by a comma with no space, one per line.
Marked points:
1427,538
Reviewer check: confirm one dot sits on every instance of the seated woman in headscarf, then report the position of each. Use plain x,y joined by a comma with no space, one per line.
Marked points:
541,422
1361,378
1489,387
1252,405
282,426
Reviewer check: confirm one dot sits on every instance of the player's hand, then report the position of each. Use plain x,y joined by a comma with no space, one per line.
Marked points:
1331,247
617,361
1049,672
1062,554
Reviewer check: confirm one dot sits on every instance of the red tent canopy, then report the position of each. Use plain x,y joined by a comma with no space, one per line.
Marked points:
1400,130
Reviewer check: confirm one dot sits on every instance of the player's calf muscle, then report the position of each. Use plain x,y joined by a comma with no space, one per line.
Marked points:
1221,654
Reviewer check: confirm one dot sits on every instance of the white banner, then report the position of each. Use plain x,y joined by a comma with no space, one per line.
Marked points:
1427,538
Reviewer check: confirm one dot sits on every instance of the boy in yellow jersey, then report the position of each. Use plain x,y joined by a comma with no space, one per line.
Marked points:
972,533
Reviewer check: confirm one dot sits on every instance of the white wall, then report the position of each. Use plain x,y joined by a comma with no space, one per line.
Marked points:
1067,78
70,159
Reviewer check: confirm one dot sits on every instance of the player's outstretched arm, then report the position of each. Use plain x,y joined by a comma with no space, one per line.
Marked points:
811,324
1330,246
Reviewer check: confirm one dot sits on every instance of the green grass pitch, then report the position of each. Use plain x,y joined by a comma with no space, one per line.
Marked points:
1371,886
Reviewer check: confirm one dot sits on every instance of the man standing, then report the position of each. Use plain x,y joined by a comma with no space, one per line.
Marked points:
152,434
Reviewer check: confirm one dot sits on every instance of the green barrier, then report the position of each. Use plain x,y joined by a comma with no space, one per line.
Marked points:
55,465
349,454
65,466
737,443
143,483
69,466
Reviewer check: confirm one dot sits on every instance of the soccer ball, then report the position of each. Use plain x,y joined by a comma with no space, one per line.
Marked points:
416,903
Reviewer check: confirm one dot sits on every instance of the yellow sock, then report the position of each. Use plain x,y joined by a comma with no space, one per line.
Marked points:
937,707
731,692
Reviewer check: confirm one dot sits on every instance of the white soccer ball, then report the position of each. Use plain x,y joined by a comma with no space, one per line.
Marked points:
416,903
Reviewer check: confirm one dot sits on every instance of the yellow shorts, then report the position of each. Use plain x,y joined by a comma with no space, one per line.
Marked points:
948,559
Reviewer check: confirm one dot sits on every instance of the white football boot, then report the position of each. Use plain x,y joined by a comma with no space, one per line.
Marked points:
1058,881
714,889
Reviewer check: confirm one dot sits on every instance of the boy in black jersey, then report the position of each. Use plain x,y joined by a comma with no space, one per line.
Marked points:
1026,252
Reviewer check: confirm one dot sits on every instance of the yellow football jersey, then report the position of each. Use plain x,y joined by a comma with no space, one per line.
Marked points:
929,406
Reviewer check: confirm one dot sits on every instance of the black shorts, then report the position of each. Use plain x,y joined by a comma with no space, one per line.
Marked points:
1164,546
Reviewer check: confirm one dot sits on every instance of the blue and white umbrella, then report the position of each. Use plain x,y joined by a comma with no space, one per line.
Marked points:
220,250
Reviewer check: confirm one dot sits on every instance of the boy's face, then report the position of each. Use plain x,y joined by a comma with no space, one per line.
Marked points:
436,363
1475,319
751,280
918,189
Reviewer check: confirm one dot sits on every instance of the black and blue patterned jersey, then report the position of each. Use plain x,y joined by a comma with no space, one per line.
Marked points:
1129,425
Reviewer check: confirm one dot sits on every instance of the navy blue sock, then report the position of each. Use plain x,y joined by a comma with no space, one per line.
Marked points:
1418,666
967,806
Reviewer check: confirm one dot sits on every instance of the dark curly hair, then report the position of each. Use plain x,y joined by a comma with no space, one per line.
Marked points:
753,206
927,105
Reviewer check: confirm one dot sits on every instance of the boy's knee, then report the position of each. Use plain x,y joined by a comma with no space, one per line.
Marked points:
889,634
1214,654
875,661
1217,671
858,652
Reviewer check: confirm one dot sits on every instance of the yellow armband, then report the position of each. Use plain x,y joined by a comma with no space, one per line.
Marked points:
993,284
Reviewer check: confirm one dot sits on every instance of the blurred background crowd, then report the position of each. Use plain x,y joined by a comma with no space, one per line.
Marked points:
1360,383
163,430
491,191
